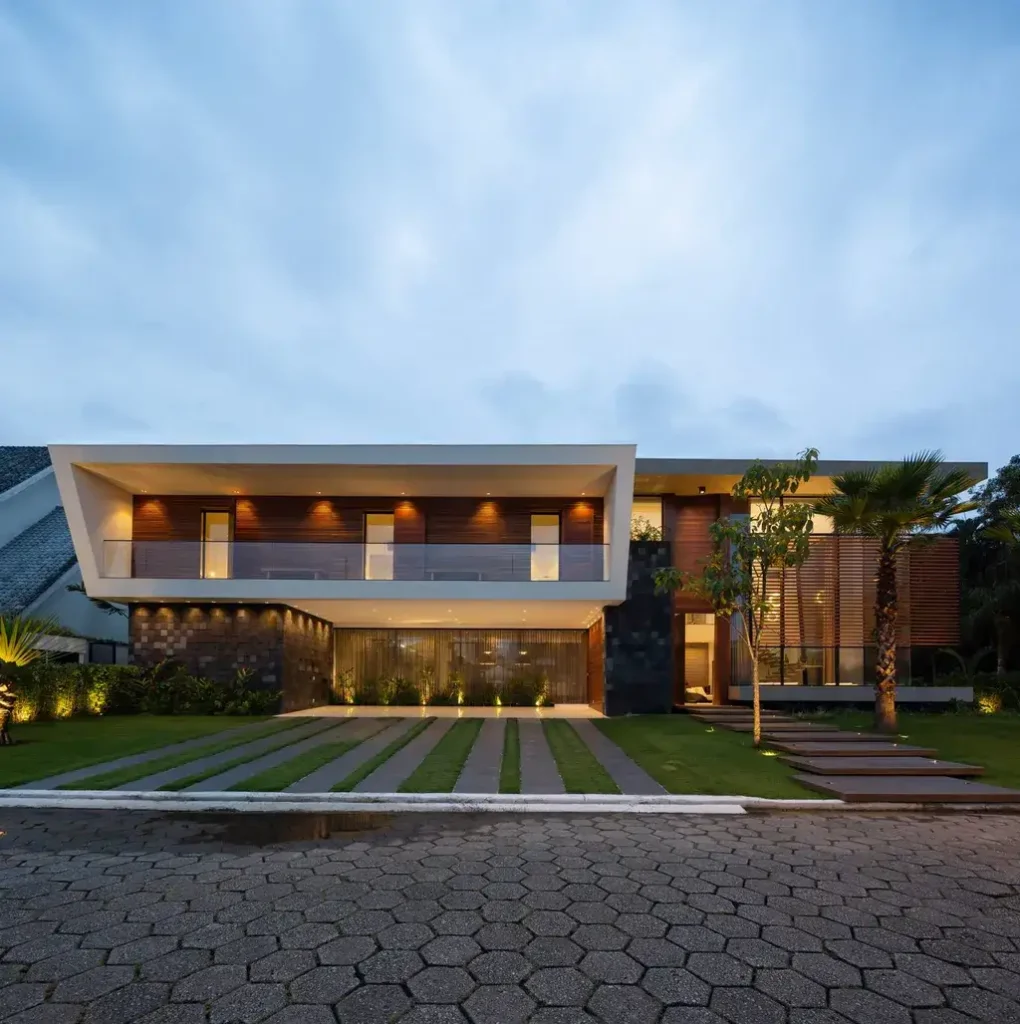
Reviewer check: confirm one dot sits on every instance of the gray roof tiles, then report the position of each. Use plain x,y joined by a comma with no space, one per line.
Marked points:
34,561
19,462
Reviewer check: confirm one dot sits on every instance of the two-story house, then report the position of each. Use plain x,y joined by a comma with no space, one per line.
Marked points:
301,562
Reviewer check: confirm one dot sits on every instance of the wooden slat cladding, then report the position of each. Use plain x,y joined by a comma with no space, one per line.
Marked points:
176,518
596,669
935,592
685,523
273,518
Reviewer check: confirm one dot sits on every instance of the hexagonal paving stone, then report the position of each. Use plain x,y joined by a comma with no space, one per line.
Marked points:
501,967
373,1004
614,968
657,953
719,969
549,951
740,1005
346,952
560,986
390,966
600,937
503,936
248,1004
616,1003
282,966
675,986
827,970
498,1004
208,984
903,988
441,985
92,984
323,985
450,950
790,987
404,936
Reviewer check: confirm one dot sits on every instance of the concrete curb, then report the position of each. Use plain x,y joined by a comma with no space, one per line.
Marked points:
505,803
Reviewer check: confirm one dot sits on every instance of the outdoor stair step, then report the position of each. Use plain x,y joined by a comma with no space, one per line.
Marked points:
934,789
824,737
880,766
812,748
798,727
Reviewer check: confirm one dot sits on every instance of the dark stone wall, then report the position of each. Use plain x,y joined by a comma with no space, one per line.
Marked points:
639,664
286,650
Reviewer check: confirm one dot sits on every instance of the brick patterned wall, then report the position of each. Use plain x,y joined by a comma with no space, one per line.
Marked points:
287,650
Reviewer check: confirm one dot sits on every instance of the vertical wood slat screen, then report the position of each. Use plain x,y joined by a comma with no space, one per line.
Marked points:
686,522
597,664
495,656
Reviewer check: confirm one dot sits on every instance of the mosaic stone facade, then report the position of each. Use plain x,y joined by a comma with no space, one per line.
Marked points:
286,650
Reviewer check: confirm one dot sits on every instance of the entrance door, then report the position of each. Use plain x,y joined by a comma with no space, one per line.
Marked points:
699,657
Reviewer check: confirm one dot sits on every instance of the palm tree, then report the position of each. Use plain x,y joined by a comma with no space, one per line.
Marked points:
18,647
891,505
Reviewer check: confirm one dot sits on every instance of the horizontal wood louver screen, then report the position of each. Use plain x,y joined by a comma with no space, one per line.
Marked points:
935,592
687,523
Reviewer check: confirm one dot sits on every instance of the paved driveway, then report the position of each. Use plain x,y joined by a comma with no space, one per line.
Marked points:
113,917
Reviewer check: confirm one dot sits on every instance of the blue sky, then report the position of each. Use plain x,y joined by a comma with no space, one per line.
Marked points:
711,229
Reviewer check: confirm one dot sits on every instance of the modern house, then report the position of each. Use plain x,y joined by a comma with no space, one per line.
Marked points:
37,562
448,563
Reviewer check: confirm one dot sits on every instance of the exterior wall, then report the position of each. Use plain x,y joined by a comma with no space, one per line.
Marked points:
76,612
287,650
639,659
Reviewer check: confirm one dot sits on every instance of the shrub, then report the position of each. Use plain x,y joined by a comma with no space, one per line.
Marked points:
342,689
368,691
403,692
480,693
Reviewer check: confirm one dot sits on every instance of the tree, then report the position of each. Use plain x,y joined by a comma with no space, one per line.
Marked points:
893,505
997,598
18,647
104,606
746,550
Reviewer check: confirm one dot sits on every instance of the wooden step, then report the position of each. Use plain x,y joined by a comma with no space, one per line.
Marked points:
880,766
812,748
797,727
824,737
928,789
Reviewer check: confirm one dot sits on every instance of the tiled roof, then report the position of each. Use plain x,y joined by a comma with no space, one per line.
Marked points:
33,561
19,462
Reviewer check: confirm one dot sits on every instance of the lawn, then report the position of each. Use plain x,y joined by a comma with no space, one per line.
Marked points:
43,749
510,766
280,776
578,767
970,737
363,771
439,772
687,756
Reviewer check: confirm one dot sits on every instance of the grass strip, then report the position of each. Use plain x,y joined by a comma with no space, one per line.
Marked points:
363,771
686,756
224,766
510,767
439,772
121,776
580,769
279,777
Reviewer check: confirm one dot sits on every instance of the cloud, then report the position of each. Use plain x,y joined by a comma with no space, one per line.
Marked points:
709,230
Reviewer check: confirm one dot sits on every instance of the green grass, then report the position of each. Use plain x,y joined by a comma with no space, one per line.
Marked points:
686,756
272,780
121,776
510,767
989,740
439,772
362,772
43,749
580,770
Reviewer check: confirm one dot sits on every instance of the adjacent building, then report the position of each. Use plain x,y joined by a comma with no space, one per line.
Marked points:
445,564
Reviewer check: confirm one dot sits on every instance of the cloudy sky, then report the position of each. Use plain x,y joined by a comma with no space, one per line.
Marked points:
711,229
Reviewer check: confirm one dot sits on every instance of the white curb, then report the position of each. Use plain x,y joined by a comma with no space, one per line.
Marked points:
399,802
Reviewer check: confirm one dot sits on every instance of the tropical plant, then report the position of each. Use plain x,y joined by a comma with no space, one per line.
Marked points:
642,529
893,505
735,580
19,639
997,598
104,606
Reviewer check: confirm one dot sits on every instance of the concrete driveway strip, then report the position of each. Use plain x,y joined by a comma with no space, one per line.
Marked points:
539,773
256,747
630,777
223,781
480,773
392,772
65,778
379,735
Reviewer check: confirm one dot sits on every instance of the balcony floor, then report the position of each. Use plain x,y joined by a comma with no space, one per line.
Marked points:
369,711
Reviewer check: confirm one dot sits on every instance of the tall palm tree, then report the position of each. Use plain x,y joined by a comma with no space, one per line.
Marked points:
893,504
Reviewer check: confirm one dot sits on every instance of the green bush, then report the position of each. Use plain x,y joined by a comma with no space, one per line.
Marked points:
51,690
403,692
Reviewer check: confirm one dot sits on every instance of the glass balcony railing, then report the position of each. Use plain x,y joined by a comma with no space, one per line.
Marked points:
296,560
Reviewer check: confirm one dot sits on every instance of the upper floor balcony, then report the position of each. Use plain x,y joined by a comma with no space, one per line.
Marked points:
292,523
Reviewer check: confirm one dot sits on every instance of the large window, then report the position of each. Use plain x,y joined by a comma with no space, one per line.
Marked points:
379,546
217,528
545,547
646,519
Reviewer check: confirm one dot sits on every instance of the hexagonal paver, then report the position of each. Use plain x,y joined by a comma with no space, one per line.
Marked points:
612,967
675,986
373,1004
390,966
790,987
503,936
208,984
92,984
657,953
248,1004
176,965
863,1007
404,936
282,966
827,970
346,952
457,922
903,988
450,950
323,985
719,969
740,1005
498,1004
441,985
549,922
560,986
616,1003
500,967
600,937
